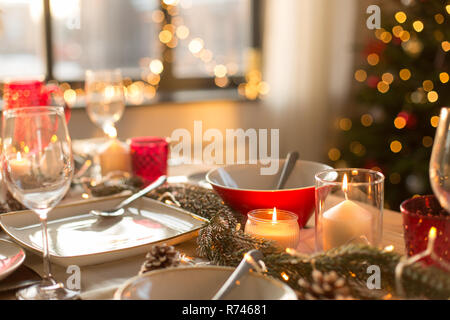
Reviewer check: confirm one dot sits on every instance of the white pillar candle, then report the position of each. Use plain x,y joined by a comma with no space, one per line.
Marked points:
19,166
344,222
115,157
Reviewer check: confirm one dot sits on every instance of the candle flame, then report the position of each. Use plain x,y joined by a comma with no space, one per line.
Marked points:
389,248
274,215
18,156
432,233
285,276
345,184
110,130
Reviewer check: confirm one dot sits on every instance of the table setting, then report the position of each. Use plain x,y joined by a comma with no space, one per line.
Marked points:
121,215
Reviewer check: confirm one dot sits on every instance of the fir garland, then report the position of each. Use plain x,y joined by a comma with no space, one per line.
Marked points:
223,242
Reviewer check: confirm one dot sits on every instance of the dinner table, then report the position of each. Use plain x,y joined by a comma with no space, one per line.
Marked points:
100,281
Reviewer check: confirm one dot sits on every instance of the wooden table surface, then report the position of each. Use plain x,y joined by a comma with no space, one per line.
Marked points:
392,226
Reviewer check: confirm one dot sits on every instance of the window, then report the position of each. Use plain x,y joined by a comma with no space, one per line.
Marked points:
170,45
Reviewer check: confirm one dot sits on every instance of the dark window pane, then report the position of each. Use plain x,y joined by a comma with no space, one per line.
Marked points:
21,39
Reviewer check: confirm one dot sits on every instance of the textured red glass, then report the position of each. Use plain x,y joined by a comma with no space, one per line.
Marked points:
28,93
149,157
419,215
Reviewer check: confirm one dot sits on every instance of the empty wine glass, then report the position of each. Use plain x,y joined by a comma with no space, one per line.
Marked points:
37,168
440,160
104,98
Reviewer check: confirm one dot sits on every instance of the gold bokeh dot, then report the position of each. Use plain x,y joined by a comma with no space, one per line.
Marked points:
383,87
373,59
397,30
405,74
434,121
427,141
165,36
447,7
432,96
366,120
396,146
418,25
387,77
400,17
445,46
405,36
428,85
386,37
395,178
360,75
400,122
334,154
443,76
345,124
439,18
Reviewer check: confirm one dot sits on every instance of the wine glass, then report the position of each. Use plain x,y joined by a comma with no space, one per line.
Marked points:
37,167
440,161
105,98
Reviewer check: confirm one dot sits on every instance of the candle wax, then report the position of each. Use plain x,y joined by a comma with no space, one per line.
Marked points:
344,222
19,166
116,157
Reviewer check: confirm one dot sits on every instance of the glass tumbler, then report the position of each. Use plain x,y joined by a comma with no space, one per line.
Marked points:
349,207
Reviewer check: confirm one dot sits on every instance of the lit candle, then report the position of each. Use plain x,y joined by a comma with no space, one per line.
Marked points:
280,226
19,166
345,222
116,155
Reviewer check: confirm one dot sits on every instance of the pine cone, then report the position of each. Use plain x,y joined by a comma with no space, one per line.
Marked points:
328,286
159,257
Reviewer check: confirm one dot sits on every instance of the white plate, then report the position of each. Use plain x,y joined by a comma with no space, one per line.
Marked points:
11,257
201,283
78,238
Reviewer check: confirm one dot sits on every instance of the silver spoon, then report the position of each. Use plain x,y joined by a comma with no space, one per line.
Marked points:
118,210
287,169
241,270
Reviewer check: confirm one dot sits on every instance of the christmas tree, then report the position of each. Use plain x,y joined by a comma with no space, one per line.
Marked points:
402,84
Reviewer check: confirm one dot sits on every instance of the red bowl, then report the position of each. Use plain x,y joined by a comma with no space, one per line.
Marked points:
244,188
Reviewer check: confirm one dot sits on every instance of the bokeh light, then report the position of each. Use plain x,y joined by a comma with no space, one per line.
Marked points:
432,96
400,17
427,85
418,25
427,141
196,45
400,122
373,59
366,120
345,124
434,121
334,154
156,66
443,76
405,74
360,75
396,146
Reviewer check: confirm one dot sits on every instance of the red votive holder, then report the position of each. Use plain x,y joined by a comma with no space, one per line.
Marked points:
420,214
149,157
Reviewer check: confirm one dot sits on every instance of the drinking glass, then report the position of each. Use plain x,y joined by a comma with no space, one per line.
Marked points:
440,161
105,98
37,167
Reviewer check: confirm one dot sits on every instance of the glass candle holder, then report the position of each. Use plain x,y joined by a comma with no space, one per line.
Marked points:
420,214
349,207
149,157
278,225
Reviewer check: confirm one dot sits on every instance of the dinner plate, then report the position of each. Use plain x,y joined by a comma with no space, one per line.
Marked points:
79,238
201,283
11,257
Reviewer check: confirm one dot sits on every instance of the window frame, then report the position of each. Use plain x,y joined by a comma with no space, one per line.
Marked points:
169,84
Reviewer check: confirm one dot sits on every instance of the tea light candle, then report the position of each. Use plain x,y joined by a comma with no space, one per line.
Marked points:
277,225
19,166
115,157
344,222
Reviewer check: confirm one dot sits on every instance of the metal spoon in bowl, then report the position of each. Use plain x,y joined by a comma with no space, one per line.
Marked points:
118,210
287,169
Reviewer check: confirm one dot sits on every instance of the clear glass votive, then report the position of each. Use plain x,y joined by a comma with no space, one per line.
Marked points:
272,224
349,207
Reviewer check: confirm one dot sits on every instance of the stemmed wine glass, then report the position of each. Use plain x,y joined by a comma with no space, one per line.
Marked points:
105,98
440,161
37,168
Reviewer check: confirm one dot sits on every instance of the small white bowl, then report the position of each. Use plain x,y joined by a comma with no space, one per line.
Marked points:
201,283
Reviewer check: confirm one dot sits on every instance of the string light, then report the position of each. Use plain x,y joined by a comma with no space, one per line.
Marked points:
445,46
418,25
443,76
400,122
396,146
360,75
432,96
373,59
405,74
383,87
400,17
366,120
434,121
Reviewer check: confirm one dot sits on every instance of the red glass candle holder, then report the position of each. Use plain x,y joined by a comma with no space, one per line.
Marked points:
149,157
420,214
29,93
